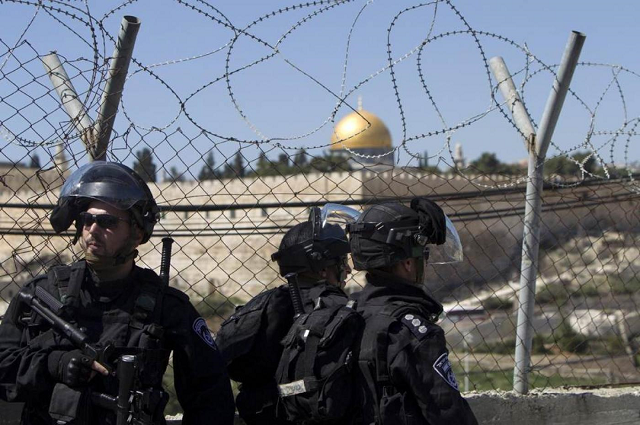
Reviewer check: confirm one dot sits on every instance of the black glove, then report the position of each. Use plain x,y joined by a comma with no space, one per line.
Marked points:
70,367
432,220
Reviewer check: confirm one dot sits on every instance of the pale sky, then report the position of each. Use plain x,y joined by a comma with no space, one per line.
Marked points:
290,98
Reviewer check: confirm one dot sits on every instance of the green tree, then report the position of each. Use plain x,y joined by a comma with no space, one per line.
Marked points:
208,171
264,167
283,160
35,161
301,158
238,164
488,163
234,168
144,165
330,162
175,175
587,160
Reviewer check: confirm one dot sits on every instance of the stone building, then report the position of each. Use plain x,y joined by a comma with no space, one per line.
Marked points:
364,138
225,230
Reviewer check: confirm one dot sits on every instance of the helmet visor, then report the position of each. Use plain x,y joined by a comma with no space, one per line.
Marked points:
450,251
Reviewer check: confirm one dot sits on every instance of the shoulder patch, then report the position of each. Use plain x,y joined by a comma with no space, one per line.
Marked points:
201,329
443,367
418,326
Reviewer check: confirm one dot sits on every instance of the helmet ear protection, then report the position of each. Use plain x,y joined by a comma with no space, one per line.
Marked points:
387,233
327,245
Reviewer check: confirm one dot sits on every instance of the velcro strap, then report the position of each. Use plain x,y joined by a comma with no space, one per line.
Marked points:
300,386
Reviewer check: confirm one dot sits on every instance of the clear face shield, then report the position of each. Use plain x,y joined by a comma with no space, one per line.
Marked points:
338,214
332,216
450,251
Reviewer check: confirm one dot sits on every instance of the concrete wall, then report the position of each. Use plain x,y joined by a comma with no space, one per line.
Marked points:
550,407
558,407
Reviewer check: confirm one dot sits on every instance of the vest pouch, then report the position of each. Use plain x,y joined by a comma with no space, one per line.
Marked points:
153,367
399,409
335,397
256,399
69,405
237,337
316,372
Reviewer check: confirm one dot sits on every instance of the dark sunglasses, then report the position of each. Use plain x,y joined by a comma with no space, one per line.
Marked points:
106,221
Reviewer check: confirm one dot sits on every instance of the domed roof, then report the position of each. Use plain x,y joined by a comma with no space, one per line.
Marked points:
368,132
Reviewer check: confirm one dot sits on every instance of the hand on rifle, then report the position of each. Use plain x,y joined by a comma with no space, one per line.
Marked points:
74,368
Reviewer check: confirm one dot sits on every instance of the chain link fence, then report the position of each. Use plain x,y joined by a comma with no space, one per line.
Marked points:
228,199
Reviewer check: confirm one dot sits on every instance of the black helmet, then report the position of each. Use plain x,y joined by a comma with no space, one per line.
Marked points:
109,182
390,232
311,246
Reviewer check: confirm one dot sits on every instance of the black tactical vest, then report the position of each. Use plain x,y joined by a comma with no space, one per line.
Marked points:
131,323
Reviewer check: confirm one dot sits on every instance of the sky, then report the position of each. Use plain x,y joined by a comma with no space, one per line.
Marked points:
297,72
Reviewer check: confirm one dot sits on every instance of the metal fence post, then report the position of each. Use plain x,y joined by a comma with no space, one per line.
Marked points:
96,136
115,84
69,98
533,206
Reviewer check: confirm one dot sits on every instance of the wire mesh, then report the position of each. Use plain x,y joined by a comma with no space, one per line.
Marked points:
227,197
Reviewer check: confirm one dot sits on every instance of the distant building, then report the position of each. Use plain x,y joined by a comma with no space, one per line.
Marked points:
459,158
364,138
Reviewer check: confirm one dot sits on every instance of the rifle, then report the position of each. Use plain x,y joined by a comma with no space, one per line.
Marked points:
121,404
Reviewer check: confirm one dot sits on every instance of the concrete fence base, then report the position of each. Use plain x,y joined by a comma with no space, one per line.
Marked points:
558,407
550,407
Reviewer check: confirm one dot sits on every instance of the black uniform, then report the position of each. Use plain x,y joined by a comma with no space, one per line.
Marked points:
126,313
255,368
417,383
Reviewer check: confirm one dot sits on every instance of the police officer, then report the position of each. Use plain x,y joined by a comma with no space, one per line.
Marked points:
313,254
406,374
117,304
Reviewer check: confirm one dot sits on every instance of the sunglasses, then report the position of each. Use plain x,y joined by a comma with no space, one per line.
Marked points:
106,221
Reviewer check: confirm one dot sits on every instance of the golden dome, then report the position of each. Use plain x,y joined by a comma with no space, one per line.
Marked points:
368,132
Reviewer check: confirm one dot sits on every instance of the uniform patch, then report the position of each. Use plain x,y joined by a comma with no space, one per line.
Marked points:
200,328
444,369
417,325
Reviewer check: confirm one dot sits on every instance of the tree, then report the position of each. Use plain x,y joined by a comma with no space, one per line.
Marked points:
144,165
35,161
264,167
283,160
238,164
208,171
301,158
488,163
235,168
175,175
587,160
